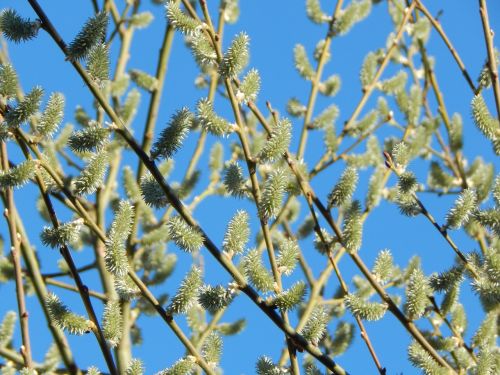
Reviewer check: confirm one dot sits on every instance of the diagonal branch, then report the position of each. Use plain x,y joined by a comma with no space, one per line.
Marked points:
492,65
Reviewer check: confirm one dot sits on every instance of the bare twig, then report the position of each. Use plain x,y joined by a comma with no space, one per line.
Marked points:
10,216
492,61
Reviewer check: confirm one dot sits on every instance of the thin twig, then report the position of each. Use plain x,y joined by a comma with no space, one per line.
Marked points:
344,287
435,23
83,290
317,80
492,61
10,216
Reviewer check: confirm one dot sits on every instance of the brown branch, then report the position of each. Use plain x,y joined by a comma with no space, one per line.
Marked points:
492,61
435,23
15,239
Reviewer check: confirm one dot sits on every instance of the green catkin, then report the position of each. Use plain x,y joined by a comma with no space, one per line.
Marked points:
355,12
236,57
288,255
364,309
483,119
353,228
417,292
326,117
184,366
278,142
63,318
331,86
92,370
171,138
446,280
343,190
92,33
187,293
210,121
7,328
420,358
342,338
249,87
216,159
462,210
272,194
384,268
143,80
141,20
265,366
93,137
234,182
212,349
214,298
254,269
98,63
64,234
456,129
181,21
186,237
302,63
152,193
16,28
52,116
231,11
26,108
92,175
115,256
203,51
8,81
407,183
129,108
17,176
290,298
315,13
330,138
237,234
394,84
112,323
368,69
135,367
295,108
315,327
485,336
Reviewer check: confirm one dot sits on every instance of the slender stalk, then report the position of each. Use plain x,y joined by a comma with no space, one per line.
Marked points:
345,289
73,288
441,229
168,318
367,90
154,102
306,191
251,165
82,288
435,23
393,308
492,61
317,80
10,216
323,163
33,270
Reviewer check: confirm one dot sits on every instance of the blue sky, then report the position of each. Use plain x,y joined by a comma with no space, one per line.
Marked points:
274,28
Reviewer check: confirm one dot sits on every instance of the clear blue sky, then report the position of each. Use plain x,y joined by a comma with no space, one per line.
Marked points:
274,28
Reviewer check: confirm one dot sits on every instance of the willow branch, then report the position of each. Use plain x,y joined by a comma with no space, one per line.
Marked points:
492,64
10,215
435,23
82,288
317,80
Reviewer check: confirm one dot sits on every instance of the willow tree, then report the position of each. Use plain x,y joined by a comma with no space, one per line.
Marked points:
283,246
